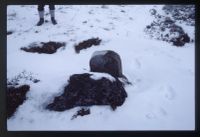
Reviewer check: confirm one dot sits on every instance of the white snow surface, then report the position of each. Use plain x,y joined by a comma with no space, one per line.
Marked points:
162,94
96,53
98,76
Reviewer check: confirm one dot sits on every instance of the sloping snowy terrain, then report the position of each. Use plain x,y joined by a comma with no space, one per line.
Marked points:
161,96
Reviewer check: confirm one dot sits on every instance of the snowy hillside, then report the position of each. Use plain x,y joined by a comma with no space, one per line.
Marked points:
161,96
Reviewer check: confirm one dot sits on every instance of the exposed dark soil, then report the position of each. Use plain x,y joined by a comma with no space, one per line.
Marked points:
181,13
15,97
165,28
81,112
44,47
9,32
85,91
86,44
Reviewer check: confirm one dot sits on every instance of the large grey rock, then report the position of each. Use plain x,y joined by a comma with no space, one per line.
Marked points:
106,61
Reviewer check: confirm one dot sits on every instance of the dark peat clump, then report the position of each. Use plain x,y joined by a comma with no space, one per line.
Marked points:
44,47
82,90
15,97
87,44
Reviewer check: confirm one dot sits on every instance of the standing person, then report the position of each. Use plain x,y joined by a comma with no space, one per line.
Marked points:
41,14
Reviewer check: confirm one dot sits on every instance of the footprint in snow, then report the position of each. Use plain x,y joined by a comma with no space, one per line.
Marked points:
163,111
169,92
107,29
157,113
191,72
150,115
31,121
97,20
138,64
130,18
170,56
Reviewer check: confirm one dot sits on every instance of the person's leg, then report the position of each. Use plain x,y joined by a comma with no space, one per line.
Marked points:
52,13
41,14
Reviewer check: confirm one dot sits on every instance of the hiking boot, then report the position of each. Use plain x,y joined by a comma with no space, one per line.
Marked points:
54,22
40,22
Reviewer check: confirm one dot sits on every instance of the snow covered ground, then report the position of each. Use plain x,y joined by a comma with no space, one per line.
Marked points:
162,94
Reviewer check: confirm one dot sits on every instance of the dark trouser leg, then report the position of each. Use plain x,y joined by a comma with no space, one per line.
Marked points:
52,13
41,14
51,7
41,7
